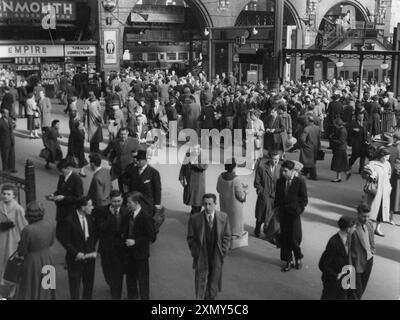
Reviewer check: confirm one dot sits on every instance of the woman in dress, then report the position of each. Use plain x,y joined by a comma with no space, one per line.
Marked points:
339,148
380,171
93,120
32,113
12,221
53,144
232,195
257,131
34,247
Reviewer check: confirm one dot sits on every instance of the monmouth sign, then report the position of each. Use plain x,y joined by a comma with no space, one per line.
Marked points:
35,9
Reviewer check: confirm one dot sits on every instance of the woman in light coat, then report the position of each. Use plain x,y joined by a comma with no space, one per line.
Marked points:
380,170
232,195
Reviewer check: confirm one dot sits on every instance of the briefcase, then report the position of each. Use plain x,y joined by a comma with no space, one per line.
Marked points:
321,155
13,269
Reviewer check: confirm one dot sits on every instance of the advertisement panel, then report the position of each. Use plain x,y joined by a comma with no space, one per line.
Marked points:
110,46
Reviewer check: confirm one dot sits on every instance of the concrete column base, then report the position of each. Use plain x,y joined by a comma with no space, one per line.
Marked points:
239,242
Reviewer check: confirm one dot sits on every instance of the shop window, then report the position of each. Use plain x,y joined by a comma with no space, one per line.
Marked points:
152,56
137,56
183,56
376,74
171,56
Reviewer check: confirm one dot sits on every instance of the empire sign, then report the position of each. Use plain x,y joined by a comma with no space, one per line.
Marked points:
19,9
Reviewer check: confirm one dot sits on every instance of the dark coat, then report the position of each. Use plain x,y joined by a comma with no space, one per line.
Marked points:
6,133
339,148
143,234
198,250
273,141
265,184
72,190
332,261
73,239
358,139
120,155
7,103
194,179
76,143
53,145
148,183
108,231
207,117
310,143
335,110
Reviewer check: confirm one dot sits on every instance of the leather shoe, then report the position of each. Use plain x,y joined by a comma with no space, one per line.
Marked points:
287,267
336,180
299,264
379,233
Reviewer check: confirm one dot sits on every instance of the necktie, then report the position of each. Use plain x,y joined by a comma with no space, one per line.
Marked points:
287,186
210,221
346,245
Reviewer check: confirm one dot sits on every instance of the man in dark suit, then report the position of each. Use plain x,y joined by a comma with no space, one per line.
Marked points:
8,101
137,235
141,177
120,154
274,126
362,250
7,141
290,200
109,229
100,186
78,239
209,239
359,139
334,259
69,190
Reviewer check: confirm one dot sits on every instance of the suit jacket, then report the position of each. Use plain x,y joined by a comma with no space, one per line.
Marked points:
6,133
207,117
148,183
273,140
72,190
333,259
108,231
293,203
121,155
358,247
143,233
100,188
73,238
358,139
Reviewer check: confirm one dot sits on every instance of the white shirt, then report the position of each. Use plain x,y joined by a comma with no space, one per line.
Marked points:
98,169
84,224
344,238
142,169
136,212
67,176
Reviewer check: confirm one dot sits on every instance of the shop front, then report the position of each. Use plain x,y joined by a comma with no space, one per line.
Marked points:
46,61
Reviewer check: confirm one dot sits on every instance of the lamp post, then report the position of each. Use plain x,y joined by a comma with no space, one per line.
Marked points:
274,83
360,72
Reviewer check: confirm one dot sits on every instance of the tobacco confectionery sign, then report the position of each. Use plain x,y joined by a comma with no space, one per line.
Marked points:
80,51
27,10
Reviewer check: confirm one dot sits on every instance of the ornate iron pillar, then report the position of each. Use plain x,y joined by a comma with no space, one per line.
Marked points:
30,186
360,76
274,80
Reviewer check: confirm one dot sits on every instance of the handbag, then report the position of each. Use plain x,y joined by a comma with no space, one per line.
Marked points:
320,155
45,154
257,143
371,187
13,269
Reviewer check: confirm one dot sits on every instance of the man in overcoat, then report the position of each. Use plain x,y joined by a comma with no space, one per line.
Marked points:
267,173
290,200
310,143
209,238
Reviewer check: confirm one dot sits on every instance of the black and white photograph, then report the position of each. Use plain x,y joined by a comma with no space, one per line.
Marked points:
197,150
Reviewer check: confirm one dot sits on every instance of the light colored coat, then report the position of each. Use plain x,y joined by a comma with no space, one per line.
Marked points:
45,112
383,172
198,248
9,239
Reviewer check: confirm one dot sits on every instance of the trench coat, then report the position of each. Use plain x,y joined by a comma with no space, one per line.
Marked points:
198,250
383,172
310,143
93,121
265,184
194,177
36,240
340,162
45,112
9,239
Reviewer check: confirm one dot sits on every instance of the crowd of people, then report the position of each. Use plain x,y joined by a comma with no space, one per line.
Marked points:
125,221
